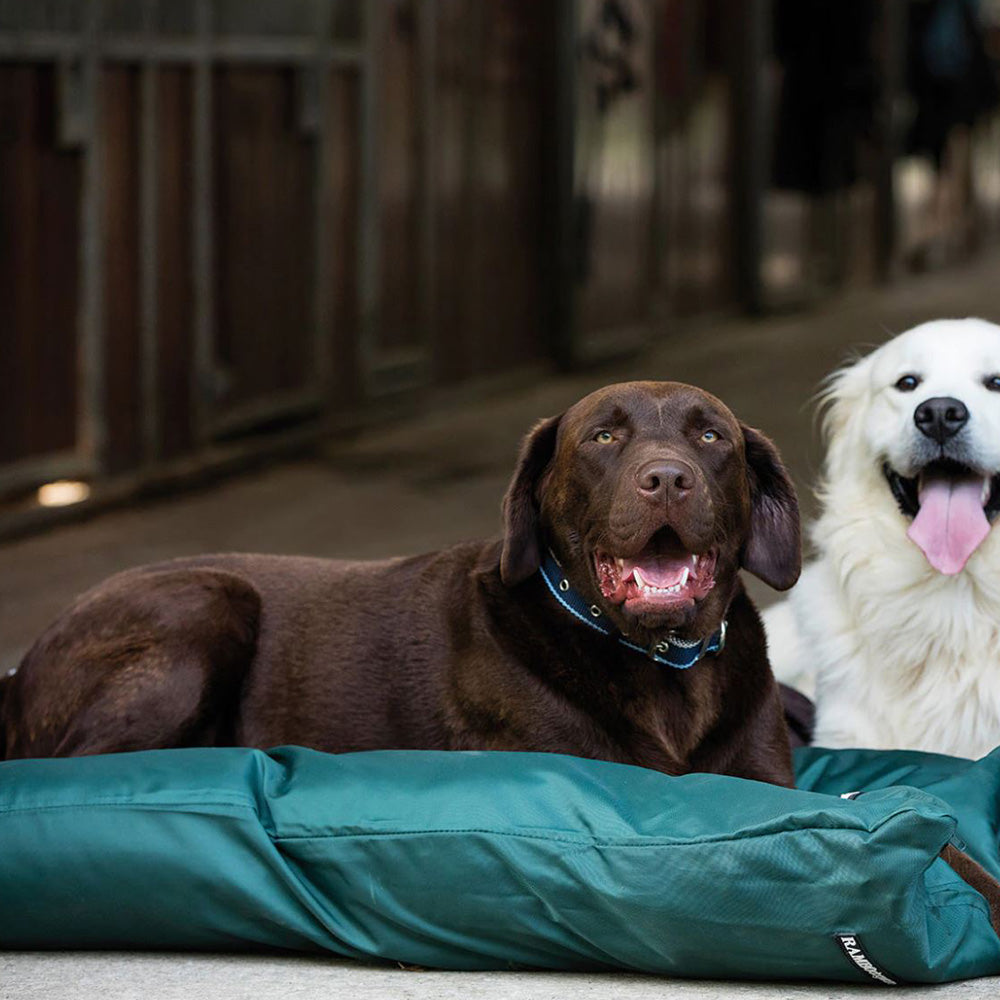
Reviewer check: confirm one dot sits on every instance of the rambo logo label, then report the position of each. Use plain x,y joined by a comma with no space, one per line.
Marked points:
851,947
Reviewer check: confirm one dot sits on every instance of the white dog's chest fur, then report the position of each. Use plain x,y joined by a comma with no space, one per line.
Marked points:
900,680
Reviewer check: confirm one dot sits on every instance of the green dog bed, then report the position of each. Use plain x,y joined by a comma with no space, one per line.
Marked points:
499,860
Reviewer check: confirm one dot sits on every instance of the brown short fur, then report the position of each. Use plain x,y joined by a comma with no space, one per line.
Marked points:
462,648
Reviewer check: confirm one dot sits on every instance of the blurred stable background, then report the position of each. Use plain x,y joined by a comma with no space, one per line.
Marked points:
391,234
354,249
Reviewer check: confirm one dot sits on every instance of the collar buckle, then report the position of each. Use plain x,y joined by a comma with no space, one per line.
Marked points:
661,648
721,643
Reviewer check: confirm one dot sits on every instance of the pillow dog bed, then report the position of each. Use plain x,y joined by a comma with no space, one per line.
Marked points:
496,860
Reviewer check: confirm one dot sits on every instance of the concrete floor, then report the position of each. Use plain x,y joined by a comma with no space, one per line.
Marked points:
420,484
86,976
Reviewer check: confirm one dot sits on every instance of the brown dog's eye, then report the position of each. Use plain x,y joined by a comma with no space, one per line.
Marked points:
604,437
709,436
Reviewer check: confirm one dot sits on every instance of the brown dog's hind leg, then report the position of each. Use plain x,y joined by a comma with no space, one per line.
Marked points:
148,659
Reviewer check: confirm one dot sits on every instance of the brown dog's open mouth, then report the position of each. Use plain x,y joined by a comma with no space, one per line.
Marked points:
662,576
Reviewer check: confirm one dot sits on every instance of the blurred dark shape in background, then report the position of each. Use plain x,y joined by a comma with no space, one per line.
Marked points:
230,227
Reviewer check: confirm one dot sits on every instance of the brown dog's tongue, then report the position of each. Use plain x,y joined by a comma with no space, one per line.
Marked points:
659,571
951,522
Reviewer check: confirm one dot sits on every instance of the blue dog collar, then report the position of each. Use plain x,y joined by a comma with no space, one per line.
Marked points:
670,652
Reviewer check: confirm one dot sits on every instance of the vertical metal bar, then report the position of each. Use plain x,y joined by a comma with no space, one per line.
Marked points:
561,188
149,244
202,257
749,159
657,127
474,151
427,191
892,57
91,414
322,296
369,264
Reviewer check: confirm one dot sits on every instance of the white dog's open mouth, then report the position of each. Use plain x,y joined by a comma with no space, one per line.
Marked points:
952,507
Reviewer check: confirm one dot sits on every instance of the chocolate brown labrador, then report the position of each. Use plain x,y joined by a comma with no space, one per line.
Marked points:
608,622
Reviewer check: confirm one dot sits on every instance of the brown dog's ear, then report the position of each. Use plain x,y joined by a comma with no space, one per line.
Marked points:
773,551
520,556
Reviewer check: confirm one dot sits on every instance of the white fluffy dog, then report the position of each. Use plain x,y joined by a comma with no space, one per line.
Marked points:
897,623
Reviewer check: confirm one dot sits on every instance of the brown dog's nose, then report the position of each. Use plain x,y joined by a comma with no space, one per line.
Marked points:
665,479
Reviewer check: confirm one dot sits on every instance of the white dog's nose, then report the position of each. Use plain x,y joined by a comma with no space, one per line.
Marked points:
941,417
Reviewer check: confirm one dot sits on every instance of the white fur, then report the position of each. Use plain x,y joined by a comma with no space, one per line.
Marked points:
900,654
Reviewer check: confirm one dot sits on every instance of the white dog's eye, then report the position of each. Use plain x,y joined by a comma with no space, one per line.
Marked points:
992,382
907,383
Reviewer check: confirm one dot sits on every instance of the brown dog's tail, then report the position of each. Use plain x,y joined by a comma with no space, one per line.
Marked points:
4,685
978,877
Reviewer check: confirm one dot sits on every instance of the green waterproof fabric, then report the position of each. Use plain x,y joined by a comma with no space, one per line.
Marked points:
493,860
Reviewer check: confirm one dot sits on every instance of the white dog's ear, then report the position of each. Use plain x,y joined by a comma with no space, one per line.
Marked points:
773,549
520,556
843,403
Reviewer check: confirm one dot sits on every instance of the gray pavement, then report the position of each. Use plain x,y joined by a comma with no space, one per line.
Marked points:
87,976
418,484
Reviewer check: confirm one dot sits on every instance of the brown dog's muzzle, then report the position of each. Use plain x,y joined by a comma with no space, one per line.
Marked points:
665,480
658,551
664,491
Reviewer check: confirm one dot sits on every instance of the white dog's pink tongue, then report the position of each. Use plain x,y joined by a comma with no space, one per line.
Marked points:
951,522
